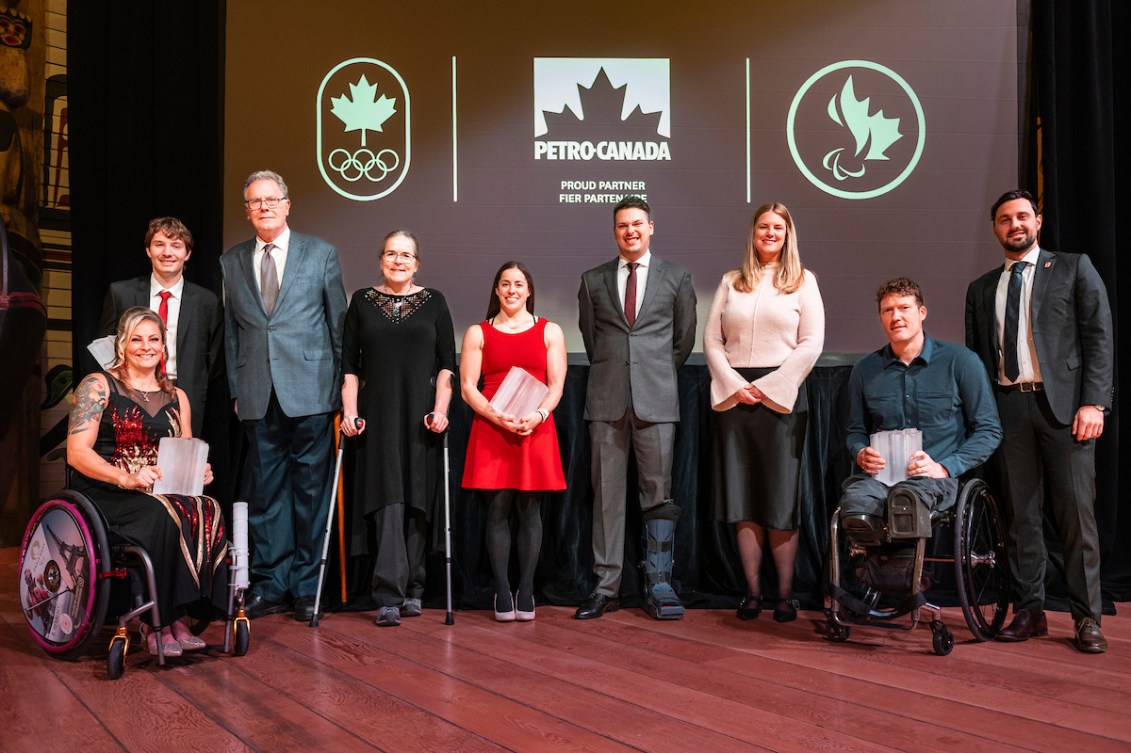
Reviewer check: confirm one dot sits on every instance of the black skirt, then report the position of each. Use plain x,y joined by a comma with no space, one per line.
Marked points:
757,461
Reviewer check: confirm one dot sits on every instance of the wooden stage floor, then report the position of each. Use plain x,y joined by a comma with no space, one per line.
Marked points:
622,683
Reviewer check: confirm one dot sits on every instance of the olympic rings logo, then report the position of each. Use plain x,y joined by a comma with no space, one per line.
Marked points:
363,95
360,164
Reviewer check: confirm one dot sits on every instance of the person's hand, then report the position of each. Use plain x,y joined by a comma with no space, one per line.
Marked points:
143,479
207,474
870,461
526,426
920,464
436,422
352,425
750,395
1088,424
504,421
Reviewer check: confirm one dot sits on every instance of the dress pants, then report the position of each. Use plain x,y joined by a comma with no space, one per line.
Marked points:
289,503
653,444
863,494
398,572
1039,461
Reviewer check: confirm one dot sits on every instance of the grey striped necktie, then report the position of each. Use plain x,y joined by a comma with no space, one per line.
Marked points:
268,279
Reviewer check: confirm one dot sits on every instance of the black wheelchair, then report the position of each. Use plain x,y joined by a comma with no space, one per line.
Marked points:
67,570
874,583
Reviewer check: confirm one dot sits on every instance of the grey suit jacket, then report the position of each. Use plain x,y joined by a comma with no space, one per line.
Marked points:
200,336
297,351
640,364
1072,331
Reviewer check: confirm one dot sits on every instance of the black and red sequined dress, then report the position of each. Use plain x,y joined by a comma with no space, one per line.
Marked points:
184,536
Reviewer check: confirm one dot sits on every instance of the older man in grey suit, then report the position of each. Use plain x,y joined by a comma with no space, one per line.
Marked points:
637,317
192,314
284,310
1042,326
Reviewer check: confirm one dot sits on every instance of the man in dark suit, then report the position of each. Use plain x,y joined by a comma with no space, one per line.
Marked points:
637,317
1042,326
284,310
193,316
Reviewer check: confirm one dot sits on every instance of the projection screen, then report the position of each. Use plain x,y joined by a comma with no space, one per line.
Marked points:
506,130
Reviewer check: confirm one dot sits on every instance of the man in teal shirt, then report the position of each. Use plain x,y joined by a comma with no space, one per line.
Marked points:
915,382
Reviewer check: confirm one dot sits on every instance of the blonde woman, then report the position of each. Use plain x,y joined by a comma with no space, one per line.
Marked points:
118,419
764,333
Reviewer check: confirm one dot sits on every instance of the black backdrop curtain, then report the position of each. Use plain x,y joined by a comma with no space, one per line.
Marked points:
146,107
1078,81
145,97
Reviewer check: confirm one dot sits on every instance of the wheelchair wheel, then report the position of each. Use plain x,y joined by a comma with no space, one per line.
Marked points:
942,640
835,632
63,552
980,565
116,659
242,631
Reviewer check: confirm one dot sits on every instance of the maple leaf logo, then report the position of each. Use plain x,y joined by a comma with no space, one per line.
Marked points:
362,110
602,105
873,132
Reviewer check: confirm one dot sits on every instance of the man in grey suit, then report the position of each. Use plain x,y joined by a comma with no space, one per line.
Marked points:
1042,326
193,317
284,310
637,318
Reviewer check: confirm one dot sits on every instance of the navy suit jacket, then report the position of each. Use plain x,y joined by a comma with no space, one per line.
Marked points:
1072,331
200,336
297,350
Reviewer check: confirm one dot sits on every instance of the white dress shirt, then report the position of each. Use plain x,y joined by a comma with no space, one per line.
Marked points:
1030,369
279,254
177,290
641,278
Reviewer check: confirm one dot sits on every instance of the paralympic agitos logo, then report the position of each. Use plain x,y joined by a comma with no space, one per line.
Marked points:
363,135
614,109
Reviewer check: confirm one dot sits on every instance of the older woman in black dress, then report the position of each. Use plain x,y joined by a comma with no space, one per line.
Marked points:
118,418
398,357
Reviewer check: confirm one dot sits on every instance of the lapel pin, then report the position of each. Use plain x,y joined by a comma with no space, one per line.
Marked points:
1048,264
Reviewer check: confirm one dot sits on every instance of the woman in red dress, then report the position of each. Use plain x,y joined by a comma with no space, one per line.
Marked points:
513,459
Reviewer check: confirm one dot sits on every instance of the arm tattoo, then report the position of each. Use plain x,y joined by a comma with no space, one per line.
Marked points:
90,401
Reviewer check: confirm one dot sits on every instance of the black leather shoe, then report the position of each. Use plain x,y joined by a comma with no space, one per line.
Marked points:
1089,638
596,605
255,606
863,529
304,608
786,610
750,607
1024,626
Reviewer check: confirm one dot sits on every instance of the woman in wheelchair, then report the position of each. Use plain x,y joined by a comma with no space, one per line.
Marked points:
117,420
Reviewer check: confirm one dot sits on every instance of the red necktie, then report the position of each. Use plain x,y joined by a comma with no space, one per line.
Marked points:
630,293
163,312
163,308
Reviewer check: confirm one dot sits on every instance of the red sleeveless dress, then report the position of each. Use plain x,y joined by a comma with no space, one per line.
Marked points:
498,459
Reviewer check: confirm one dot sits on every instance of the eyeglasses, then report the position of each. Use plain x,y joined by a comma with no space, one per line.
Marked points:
269,203
403,258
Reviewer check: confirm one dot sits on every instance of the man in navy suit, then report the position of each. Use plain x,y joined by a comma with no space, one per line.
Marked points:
1042,326
193,317
284,310
637,318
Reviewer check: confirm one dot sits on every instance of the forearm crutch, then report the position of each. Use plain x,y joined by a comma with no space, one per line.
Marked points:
329,525
450,619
